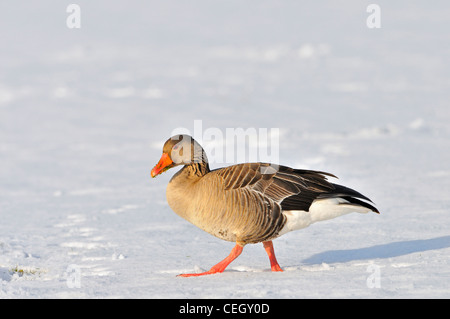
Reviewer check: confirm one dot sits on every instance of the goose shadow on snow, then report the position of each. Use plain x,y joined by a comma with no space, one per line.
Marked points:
388,250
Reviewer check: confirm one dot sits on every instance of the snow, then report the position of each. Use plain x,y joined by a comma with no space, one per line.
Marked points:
84,112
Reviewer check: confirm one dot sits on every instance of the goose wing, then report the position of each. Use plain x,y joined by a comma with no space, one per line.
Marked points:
292,189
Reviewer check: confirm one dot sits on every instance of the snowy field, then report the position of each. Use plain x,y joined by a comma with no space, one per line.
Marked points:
84,112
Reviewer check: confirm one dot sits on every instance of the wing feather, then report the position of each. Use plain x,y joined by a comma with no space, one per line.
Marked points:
293,189
276,182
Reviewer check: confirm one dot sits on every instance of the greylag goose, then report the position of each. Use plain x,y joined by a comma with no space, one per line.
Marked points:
252,202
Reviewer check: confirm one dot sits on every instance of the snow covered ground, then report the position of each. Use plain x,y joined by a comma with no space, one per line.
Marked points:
83,113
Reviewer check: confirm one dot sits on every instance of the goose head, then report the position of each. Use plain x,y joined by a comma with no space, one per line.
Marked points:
179,150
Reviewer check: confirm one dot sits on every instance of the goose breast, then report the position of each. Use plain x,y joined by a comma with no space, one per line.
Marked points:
238,215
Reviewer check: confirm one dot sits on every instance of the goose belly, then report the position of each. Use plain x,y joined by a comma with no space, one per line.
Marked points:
236,216
225,217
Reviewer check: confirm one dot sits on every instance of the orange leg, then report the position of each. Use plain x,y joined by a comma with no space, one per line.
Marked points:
220,267
268,246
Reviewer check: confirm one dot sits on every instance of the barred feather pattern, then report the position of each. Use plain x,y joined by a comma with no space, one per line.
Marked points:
241,203
252,202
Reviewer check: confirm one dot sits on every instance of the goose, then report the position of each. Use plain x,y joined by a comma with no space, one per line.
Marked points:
250,203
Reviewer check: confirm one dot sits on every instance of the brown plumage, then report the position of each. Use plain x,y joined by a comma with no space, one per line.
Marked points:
252,202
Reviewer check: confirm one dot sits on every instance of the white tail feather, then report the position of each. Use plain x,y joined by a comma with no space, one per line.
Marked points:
320,209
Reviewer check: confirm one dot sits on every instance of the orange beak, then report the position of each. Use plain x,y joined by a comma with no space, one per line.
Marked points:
163,165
